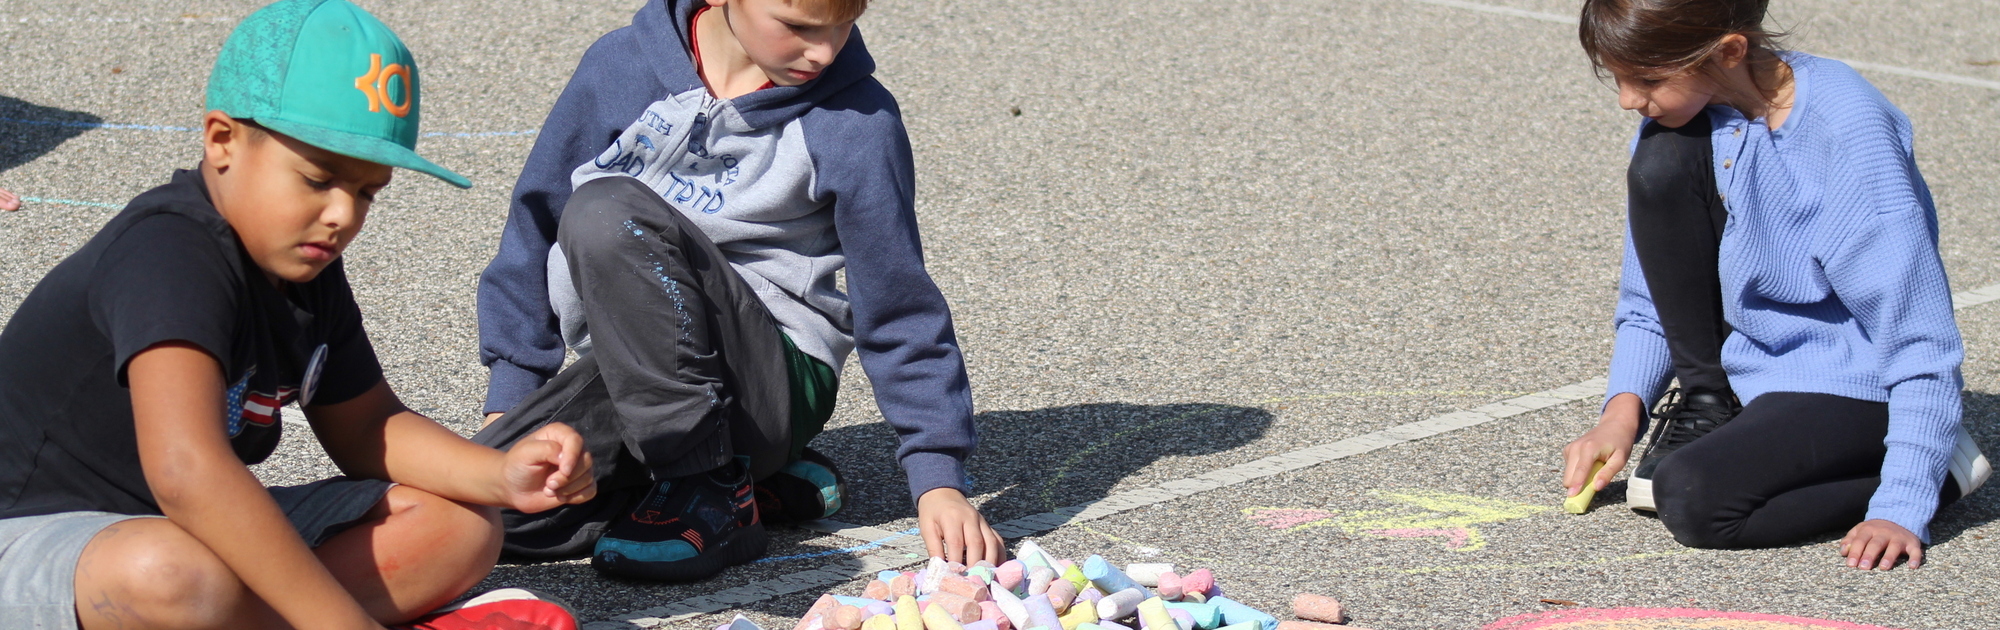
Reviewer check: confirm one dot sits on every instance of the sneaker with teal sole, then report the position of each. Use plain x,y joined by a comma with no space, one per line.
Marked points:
805,490
685,529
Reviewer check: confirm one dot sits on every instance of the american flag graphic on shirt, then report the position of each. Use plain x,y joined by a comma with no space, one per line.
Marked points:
253,407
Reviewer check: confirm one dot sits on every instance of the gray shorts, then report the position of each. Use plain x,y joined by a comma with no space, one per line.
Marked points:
38,554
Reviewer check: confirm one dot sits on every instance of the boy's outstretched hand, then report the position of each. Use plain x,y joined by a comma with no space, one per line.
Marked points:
956,531
9,201
547,469
1878,543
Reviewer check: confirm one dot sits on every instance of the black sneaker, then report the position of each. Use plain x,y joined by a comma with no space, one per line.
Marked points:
685,529
805,490
1681,418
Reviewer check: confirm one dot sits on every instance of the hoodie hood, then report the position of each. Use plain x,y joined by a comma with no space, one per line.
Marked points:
667,20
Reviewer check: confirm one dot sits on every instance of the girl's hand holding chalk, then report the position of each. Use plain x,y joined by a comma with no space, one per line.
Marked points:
1579,502
1593,459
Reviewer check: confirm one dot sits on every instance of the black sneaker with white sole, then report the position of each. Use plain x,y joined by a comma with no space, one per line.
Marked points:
1679,420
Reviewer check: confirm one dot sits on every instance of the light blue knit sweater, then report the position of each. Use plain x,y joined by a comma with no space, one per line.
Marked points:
1830,277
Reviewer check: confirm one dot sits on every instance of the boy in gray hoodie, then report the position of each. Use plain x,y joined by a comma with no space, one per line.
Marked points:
679,224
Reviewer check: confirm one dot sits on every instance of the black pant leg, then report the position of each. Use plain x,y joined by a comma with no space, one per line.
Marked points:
693,362
1790,466
1676,216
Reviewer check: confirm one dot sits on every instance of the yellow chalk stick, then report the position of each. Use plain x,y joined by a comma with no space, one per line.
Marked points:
879,622
1079,615
1581,502
907,616
936,617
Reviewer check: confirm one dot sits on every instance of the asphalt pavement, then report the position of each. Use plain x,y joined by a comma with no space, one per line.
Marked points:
1177,237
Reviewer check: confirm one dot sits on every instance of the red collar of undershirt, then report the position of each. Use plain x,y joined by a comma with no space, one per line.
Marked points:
694,46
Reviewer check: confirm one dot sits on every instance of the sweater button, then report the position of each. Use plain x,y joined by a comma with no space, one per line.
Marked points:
1728,163
1738,132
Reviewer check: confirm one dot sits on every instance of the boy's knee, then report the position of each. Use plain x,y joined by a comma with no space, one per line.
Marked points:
471,528
604,213
155,569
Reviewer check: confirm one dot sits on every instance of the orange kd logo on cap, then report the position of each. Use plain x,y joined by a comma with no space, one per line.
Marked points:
375,84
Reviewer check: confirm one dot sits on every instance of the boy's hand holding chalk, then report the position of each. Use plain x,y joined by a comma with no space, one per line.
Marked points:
1579,502
1592,460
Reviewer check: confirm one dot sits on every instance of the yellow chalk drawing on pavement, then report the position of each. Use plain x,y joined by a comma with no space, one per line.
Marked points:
1454,518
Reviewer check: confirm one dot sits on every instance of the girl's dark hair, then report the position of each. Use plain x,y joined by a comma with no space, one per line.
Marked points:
1656,39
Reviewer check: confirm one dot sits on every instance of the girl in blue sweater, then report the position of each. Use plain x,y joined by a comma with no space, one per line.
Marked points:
1781,262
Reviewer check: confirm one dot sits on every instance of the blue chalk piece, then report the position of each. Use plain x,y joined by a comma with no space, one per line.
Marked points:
739,623
888,576
1108,578
857,602
1206,616
1234,612
1247,625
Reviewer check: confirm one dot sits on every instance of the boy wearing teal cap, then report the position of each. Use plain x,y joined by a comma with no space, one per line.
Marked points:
148,369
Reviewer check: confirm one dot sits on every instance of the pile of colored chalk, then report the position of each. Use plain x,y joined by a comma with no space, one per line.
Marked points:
1037,591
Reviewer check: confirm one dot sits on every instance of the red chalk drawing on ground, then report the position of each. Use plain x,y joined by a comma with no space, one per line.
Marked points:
1666,619
1454,518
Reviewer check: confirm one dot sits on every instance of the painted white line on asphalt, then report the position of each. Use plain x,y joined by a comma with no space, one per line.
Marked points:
1858,65
865,565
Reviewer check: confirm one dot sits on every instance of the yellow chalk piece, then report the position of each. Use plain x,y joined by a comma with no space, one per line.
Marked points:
936,617
879,622
907,617
1153,614
1581,502
1079,614
1075,576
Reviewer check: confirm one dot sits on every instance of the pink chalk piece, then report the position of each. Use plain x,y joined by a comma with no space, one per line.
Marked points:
876,590
960,607
1199,581
1061,594
847,618
1578,618
1170,586
903,585
1010,574
1309,625
1317,608
1066,565
968,587
990,611
825,604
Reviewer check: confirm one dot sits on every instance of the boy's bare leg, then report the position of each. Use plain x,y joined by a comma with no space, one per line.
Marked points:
415,552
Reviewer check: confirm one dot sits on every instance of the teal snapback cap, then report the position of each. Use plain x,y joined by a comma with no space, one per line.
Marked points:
329,74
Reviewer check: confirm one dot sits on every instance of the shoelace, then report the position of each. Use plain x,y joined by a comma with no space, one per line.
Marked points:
1682,422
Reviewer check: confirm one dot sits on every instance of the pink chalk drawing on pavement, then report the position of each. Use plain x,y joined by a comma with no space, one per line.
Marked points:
1666,619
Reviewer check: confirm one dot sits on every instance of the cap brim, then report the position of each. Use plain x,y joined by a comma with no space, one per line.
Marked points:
362,147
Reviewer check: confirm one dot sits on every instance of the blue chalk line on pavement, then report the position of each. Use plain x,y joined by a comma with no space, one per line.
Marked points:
1927,75
869,546
866,565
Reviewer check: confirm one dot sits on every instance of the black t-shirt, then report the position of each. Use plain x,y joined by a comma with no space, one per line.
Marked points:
167,268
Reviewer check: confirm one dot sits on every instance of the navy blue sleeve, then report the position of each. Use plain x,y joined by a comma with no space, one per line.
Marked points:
518,338
902,326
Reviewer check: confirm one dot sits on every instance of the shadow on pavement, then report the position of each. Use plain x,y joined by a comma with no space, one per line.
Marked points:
1033,461
33,130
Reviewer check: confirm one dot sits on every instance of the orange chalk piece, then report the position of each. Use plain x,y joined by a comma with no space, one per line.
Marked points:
1317,608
